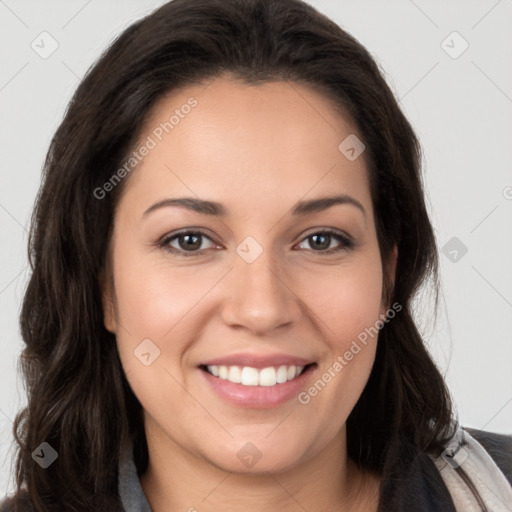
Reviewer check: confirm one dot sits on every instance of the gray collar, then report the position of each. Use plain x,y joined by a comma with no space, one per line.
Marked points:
131,493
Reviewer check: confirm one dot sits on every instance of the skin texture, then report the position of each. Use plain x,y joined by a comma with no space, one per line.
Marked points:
257,150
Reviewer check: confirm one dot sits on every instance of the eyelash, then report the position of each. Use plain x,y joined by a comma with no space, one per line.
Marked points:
346,243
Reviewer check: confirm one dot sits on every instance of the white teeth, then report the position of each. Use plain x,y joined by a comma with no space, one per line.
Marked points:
214,370
282,374
268,377
249,376
235,374
223,372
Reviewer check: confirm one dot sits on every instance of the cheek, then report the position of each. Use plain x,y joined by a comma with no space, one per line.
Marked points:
151,304
347,303
152,297
346,298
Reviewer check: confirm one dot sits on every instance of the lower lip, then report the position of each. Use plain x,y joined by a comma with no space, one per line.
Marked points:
258,397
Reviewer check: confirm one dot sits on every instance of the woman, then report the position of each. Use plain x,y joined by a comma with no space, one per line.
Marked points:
226,244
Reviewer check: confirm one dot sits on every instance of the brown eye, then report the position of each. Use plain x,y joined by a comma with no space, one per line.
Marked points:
321,241
186,242
189,242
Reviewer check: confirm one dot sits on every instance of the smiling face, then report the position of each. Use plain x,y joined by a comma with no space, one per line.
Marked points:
251,282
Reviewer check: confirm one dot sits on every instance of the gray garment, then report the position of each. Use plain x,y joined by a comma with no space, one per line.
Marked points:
131,493
483,459
466,458
492,482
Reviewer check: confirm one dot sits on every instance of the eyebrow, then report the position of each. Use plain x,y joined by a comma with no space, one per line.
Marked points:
213,208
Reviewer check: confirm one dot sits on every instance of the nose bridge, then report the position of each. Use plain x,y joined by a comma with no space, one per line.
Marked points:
258,297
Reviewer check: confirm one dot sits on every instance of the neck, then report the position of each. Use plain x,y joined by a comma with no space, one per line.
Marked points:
179,480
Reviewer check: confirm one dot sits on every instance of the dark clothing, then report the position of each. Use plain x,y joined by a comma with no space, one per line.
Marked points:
432,486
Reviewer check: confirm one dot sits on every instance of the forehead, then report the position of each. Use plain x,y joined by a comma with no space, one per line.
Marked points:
247,144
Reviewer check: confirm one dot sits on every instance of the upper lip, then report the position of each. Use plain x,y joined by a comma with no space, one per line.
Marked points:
258,361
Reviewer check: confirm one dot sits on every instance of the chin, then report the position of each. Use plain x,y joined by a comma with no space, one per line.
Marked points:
257,457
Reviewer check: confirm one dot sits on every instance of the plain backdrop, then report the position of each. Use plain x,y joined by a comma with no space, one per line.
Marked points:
449,64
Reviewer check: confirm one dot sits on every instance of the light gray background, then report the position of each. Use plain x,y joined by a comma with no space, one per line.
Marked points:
460,107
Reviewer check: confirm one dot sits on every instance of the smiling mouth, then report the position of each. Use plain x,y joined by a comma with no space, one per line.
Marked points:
249,376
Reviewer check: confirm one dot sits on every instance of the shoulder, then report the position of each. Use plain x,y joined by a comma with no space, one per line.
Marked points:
5,504
498,446
24,503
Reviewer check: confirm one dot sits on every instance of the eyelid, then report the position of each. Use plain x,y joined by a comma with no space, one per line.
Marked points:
331,231
164,241
346,240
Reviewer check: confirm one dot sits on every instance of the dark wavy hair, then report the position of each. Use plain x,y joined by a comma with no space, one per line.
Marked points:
79,400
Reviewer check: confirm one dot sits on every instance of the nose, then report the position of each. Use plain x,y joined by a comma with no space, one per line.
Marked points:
259,297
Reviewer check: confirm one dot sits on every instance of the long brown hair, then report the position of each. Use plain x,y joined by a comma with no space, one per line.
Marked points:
79,400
